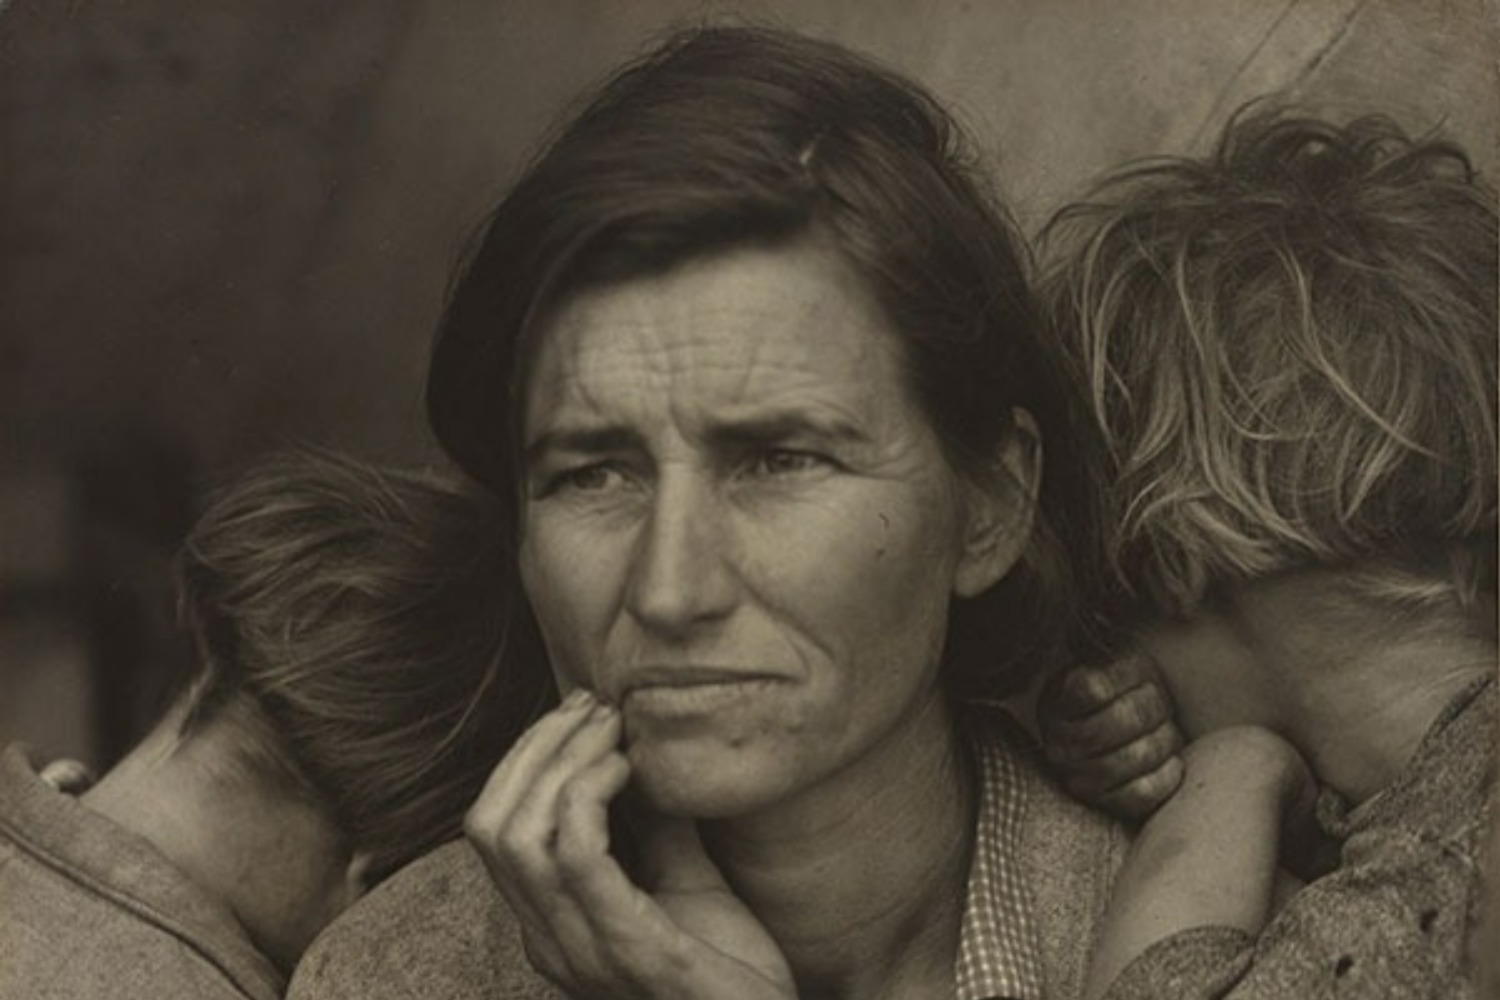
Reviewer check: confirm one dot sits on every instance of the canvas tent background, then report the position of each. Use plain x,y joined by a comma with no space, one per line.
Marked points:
228,226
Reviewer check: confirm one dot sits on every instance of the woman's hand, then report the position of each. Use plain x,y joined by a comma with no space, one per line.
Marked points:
541,826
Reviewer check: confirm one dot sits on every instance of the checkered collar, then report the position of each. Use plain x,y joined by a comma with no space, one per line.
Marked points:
999,952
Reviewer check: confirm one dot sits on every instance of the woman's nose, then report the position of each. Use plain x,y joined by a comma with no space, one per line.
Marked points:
681,575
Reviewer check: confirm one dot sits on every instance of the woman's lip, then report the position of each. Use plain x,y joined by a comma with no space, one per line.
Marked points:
682,701
688,676
690,689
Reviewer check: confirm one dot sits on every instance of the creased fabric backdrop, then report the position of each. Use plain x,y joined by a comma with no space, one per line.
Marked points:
227,225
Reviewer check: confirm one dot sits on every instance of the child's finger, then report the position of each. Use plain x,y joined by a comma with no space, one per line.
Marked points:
1084,689
1137,799
1093,778
1129,716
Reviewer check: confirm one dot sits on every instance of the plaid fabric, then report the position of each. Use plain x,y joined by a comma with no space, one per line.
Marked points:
999,954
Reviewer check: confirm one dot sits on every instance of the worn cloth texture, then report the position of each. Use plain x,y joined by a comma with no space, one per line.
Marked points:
1037,889
1392,920
90,911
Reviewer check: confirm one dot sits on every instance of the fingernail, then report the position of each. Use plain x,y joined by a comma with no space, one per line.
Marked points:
577,698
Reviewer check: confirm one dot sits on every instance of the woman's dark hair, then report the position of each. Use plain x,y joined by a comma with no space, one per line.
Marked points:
725,137
352,625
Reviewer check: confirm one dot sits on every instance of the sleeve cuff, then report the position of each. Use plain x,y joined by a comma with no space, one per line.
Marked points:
1198,964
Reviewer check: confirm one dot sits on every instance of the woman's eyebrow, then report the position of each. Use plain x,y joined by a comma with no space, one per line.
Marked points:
790,425
739,433
581,439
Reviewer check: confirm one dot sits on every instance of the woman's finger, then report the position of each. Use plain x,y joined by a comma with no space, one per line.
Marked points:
542,826
551,819
513,824
582,813
534,822
516,831
510,780
537,763
610,932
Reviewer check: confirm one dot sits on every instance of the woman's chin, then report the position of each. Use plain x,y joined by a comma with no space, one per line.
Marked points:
678,781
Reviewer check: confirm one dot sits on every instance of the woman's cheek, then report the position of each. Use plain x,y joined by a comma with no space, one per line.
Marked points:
561,597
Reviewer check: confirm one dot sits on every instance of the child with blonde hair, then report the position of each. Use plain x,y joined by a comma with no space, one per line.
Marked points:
1290,348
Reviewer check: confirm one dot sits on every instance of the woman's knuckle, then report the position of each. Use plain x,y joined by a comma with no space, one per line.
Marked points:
507,851
571,859
574,795
479,823
574,862
569,806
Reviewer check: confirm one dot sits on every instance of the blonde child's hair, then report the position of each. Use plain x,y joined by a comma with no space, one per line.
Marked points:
1290,349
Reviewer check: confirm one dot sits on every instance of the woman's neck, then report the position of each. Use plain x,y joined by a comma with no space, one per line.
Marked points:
860,881
1353,693
275,860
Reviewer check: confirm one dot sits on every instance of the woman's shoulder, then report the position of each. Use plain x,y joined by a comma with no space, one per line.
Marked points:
1066,854
1049,819
437,929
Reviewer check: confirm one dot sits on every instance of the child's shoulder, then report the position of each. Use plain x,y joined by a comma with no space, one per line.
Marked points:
1443,794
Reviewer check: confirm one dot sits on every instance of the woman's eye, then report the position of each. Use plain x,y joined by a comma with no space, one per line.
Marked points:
785,461
591,478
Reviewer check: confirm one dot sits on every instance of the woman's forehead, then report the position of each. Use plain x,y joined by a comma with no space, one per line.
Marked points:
741,328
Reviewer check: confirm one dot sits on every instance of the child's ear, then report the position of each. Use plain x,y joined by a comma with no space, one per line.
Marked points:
1001,508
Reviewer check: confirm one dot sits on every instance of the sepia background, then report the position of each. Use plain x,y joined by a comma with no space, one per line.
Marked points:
227,226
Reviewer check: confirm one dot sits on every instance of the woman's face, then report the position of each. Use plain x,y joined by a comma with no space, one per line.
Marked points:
739,527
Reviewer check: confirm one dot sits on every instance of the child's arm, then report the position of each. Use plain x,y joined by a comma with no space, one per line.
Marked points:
1110,733
1207,858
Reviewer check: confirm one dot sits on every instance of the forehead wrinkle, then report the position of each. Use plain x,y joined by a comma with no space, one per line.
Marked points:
597,373
617,352
566,377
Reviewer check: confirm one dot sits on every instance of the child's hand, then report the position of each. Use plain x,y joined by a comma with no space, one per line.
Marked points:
1110,731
